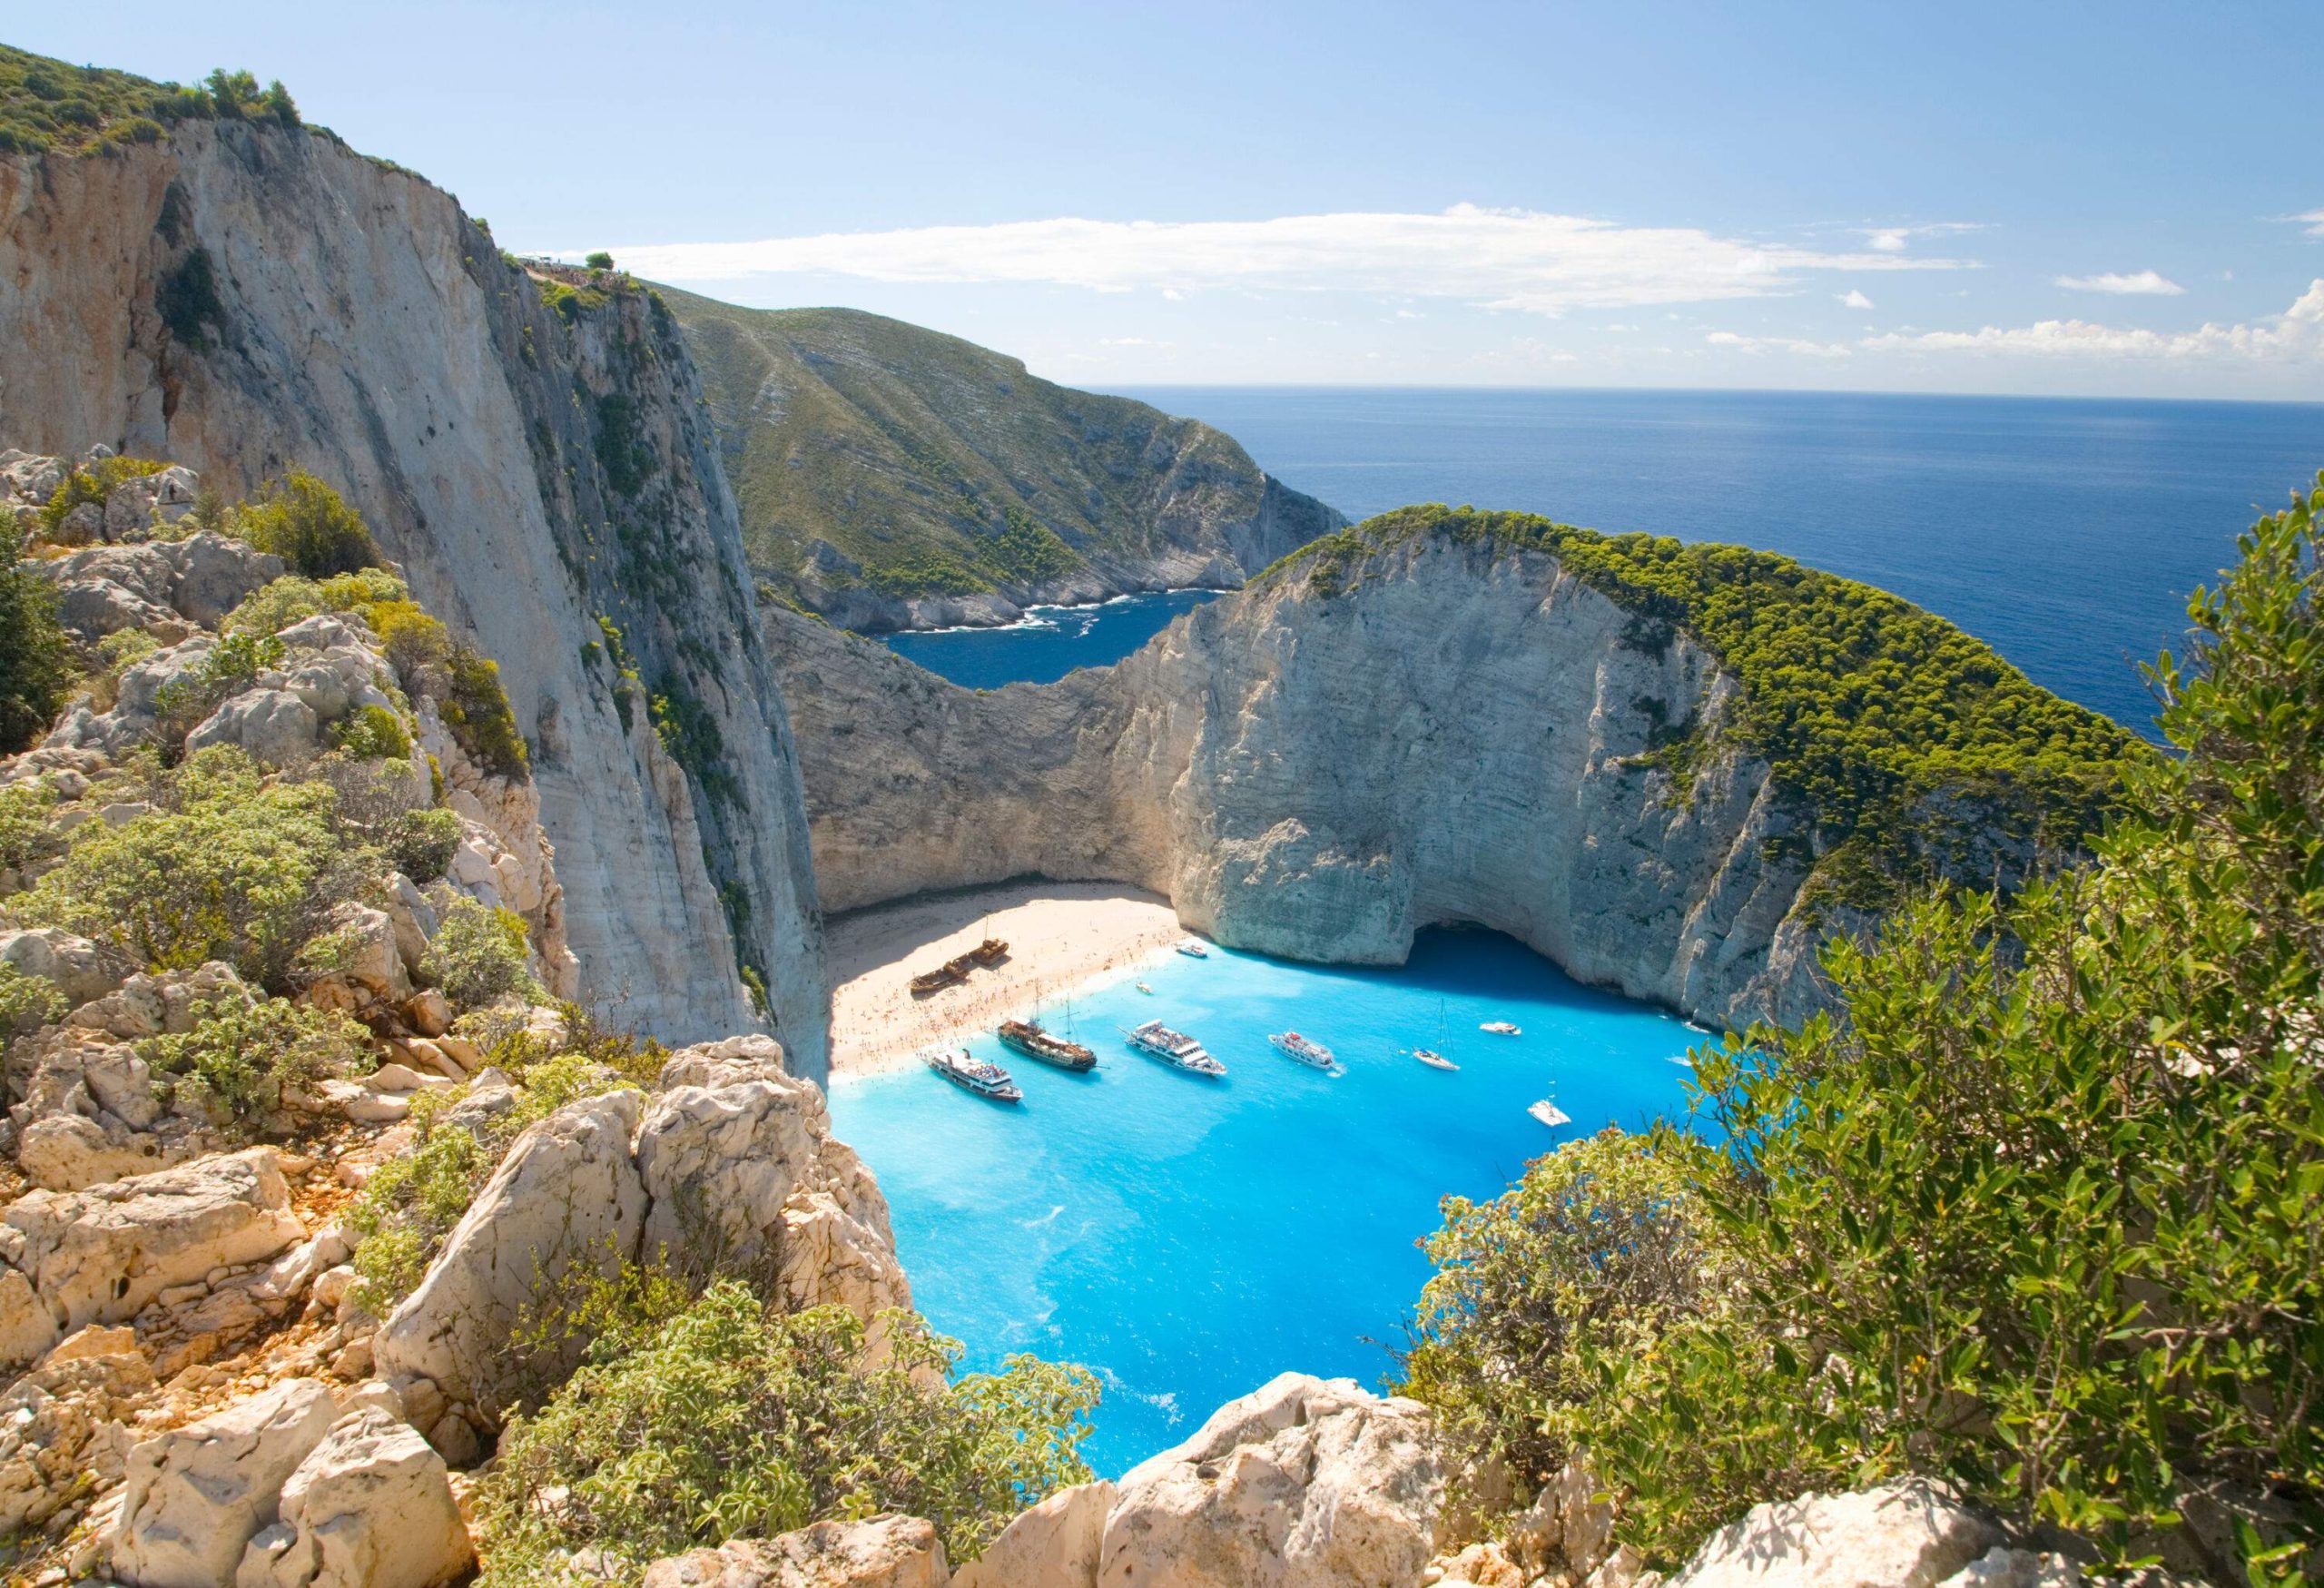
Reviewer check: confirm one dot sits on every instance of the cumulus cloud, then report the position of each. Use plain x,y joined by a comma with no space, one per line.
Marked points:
2296,334
1501,259
2139,284
1897,239
1785,344
2311,222
1853,299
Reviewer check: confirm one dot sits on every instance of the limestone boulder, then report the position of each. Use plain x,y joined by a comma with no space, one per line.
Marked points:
81,970
1057,1544
62,1426
370,1507
886,1552
723,1063
567,1192
1306,1483
1913,1534
275,725
196,1496
102,1254
838,1247
88,1112
212,574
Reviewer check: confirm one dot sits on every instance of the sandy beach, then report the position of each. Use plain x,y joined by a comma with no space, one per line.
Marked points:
1061,936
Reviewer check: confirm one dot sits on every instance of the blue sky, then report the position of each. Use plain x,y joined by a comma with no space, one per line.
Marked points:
2117,198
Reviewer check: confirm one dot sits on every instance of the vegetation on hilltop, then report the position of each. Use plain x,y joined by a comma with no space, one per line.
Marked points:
1863,704
940,466
50,105
2042,1213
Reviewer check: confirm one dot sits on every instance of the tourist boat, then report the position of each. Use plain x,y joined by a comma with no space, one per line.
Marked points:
1308,1052
1501,1028
936,981
1142,987
1027,1036
1434,1060
1174,1048
1193,949
990,952
1548,1113
972,1074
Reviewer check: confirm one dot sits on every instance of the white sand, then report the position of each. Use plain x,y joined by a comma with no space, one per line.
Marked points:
1061,936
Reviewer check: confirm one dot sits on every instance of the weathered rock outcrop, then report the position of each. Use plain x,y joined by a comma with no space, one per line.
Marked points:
534,470
885,1552
370,1507
1908,1535
196,1495
1461,738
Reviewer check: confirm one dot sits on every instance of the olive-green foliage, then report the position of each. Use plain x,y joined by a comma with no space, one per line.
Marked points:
587,1037
118,652
181,706
275,606
1592,1255
570,302
24,835
732,1420
1863,704
354,592
463,682
27,1001
372,733
49,104
309,525
1029,552
35,654
88,485
236,867
420,844
408,1207
692,737
2044,1213
599,261
243,1054
477,955
925,573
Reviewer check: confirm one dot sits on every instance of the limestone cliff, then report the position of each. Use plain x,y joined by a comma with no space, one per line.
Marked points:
248,297
896,478
1319,779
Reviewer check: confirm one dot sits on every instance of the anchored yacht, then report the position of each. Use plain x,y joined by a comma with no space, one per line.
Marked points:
1192,947
1501,1028
1174,1048
1548,1113
1434,1060
972,1074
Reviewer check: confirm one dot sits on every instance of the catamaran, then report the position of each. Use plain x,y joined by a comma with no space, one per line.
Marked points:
1027,1036
1174,1048
1192,947
958,1066
1501,1028
1307,1050
1548,1113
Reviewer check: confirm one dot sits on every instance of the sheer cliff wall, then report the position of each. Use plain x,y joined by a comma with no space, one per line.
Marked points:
251,298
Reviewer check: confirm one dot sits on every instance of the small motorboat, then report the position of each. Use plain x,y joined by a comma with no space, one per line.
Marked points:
1192,947
1434,1060
1142,987
1175,1048
970,1073
1027,1036
1501,1028
1548,1113
1307,1050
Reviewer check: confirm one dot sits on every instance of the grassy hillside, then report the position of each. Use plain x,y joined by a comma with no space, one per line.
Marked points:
938,465
1865,705
51,104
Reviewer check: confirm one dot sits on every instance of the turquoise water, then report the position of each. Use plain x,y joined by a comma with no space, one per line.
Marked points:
1189,1238
1052,641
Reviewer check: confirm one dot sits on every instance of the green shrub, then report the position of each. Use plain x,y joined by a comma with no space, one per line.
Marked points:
420,843
89,484
600,260
408,1207
354,592
181,705
243,1054
237,871
24,835
477,955
309,525
927,573
118,651
372,733
276,607
35,652
28,1002
730,1420
475,707
1028,551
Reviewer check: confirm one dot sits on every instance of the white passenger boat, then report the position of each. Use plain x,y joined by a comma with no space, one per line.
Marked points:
1548,1113
1501,1028
1175,1048
1193,947
1434,1060
1307,1050
970,1073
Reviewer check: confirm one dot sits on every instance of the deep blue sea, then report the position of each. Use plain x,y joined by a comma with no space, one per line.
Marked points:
1187,1239
1050,642
2065,533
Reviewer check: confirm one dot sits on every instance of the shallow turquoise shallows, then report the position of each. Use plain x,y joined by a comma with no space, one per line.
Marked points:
1189,1238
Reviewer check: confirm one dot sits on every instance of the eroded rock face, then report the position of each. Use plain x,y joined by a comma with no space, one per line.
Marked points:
370,1507
1305,1482
567,1192
886,1552
1458,739
1057,1544
196,1496
1909,1534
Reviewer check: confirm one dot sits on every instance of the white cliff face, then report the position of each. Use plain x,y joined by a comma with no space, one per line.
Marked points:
531,472
1457,739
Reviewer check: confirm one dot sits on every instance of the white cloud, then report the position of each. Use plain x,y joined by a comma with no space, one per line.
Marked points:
2313,222
1853,299
1501,259
1785,344
1897,239
2141,284
2296,334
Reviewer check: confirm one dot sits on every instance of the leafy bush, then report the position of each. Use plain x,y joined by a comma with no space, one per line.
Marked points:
730,1420
356,591
118,652
476,709
240,870
28,1002
2041,1215
927,573
372,733
35,652
242,1054
233,665
1028,551
420,843
24,835
51,104
89,485
309,525
276,607
477,955
408,1207
599,261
